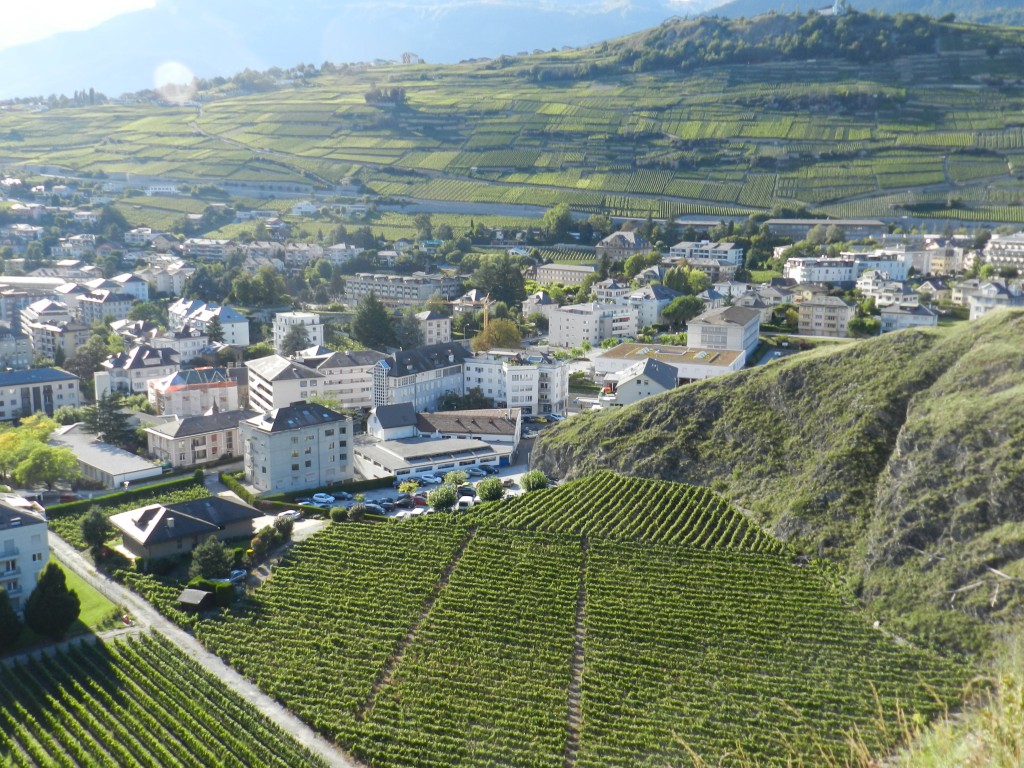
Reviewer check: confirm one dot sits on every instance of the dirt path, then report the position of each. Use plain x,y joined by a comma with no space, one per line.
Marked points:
147,617
574,718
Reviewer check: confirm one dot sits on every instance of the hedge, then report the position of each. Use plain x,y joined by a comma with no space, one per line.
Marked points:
120,497
352,486
243,493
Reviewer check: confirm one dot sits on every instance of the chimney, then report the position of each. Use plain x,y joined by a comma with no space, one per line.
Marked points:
170,522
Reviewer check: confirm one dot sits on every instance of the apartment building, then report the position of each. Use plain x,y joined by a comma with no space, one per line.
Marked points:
283,321
129,372
825,316
38,390
821,270
435,327
531,380
200,315
420,376
97,306
24,547
206,248
168,278
886,292
734,328
401,290
195,391
897,318
572,325
192,441
15,350
300,446
566,274
1006,251
708,250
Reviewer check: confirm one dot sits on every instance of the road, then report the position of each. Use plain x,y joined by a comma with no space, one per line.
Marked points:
147,617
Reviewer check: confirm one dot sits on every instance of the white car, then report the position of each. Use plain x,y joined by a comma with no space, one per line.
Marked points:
323,498
431,479
289,514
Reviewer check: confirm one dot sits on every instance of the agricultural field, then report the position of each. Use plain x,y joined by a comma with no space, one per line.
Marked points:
514,631
718,140
135,702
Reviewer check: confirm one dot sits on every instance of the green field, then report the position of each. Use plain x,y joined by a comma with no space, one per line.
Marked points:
97,612
906,132
608,622
138,702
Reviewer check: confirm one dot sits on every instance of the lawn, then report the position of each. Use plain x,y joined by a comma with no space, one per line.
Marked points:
97,611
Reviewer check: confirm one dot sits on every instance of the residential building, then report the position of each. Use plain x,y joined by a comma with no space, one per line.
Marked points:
753,300
38,390
732,327
641,380
649,302
200,315
191,441
348,376
15,349
188,343
938,259
896,264
140,236
206,248
435,327
168,278
566,274
821,269
539,303
297,447
276,381
24,547
473,300
690,363
169,530
716,269
825,316
194,391
132,285
994,294
576,324
934,291
101,462
886,292
1006,251
619,246
129,372
898,318
310,321
533,380
610,290
98,306
708,250
342,253
420,376
401,290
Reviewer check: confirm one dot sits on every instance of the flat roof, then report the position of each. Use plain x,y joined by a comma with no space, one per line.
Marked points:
103,456
411,453
666,353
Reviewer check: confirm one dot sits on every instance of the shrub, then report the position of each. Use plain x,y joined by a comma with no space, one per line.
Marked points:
95,528
339,514
357,512
283,529
490,489
442,498
238,556
210,559
534,480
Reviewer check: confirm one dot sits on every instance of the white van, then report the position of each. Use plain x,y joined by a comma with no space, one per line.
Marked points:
465,502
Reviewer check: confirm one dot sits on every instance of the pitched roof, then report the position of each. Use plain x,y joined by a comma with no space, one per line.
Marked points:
140,357
662,374
197,377
397,415
278,368
655,292
159,523
430,314
728,316
427,358
201,425
326,359
34,376
298,415
487,421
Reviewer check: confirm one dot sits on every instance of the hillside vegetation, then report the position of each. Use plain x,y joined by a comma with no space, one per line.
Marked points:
859,115
573,627
900,457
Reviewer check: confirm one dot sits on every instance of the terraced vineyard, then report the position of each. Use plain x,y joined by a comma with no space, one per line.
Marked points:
610,621
138,702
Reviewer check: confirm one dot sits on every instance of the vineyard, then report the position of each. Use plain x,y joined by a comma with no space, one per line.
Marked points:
138,702
610,621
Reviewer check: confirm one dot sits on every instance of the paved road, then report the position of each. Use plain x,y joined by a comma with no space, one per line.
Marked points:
146,616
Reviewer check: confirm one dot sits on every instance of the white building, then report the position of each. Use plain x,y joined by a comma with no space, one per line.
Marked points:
566,274
994,294
132,285
38,390
897,318
308,320
348,376
734,328
530,380
129,372
401,290
97,306
825,316
24,547
1006,251
435,327
194,391
342,253
420,376
188,342
300,446
885,291
641,380
200,315
574,324
649,302
820,270
168,278
191,441
206,248
106,464
610,290
706,249
691,364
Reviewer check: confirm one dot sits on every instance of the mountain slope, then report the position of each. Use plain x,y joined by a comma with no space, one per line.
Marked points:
901,457
972,10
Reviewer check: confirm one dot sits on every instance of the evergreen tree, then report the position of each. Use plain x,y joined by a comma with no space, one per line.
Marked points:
295,338
52,608
10,624
371,325
408,333
215,331
108,421
501,277
95,528
210,560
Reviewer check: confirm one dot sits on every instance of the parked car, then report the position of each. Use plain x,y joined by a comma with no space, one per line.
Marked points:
555,417
489,469
289,514
344,495
406,503
508,482
431,479
465,502
303,500
323,498
475,472
419,501
466,490
238,576
530,433
387,506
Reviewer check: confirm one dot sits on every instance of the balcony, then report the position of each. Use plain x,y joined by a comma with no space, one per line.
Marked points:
13,573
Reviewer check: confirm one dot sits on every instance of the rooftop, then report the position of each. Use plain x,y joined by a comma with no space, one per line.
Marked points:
298,415
201,425
666,353
34,376
487,421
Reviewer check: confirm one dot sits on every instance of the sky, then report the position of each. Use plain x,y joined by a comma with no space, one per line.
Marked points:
28,20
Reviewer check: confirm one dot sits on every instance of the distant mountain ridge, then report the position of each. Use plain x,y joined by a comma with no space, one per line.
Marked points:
901,457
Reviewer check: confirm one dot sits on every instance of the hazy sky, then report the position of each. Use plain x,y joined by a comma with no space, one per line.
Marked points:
27,20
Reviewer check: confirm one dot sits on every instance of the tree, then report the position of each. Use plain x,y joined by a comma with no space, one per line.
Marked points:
95,528
500,276
210,560
215,331
371,324
47,465
534,480
557,222
10,624
682,309
408,486
442,498
295,339
106,420
357,512
499,334
422,222
490,489
150,312
456,477
52,608
408,332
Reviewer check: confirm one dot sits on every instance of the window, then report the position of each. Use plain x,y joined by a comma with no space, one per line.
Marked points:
308,463
10,565
309,450
37,556
328,432
295,467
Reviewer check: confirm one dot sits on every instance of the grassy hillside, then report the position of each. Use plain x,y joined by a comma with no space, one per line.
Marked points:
984,11
855,116
574,627
901,457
